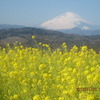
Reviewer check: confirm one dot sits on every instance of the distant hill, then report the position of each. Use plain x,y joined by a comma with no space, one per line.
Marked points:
53,38
7,26
81,32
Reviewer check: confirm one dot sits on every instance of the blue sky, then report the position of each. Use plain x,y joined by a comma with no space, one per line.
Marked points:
34,12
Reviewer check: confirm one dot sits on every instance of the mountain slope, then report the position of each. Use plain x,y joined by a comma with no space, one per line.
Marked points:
81,32
53,38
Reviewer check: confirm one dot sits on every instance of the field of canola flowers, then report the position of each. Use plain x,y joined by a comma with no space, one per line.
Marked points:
42,74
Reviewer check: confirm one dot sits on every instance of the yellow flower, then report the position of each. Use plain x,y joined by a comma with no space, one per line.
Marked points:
65,92
96,78
93,68
42,66
15,96
86,72
84,48
40,43
24,91
68,78
61,98
45,75
63,80
36,97
33,37
47,98
89,76
69,69
82,96
90,97
64,45
13,74
74,70
32,74
74,49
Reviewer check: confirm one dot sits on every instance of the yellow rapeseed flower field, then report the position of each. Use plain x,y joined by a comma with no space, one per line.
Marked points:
43,74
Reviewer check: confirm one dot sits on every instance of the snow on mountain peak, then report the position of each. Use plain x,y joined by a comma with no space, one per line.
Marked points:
67,20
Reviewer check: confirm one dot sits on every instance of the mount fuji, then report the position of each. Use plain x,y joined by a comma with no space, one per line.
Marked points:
70,22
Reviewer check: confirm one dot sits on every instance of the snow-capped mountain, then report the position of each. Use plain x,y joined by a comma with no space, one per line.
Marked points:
67,20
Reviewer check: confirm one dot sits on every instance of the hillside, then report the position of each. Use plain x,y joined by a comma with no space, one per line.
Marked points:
8,26
53,38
